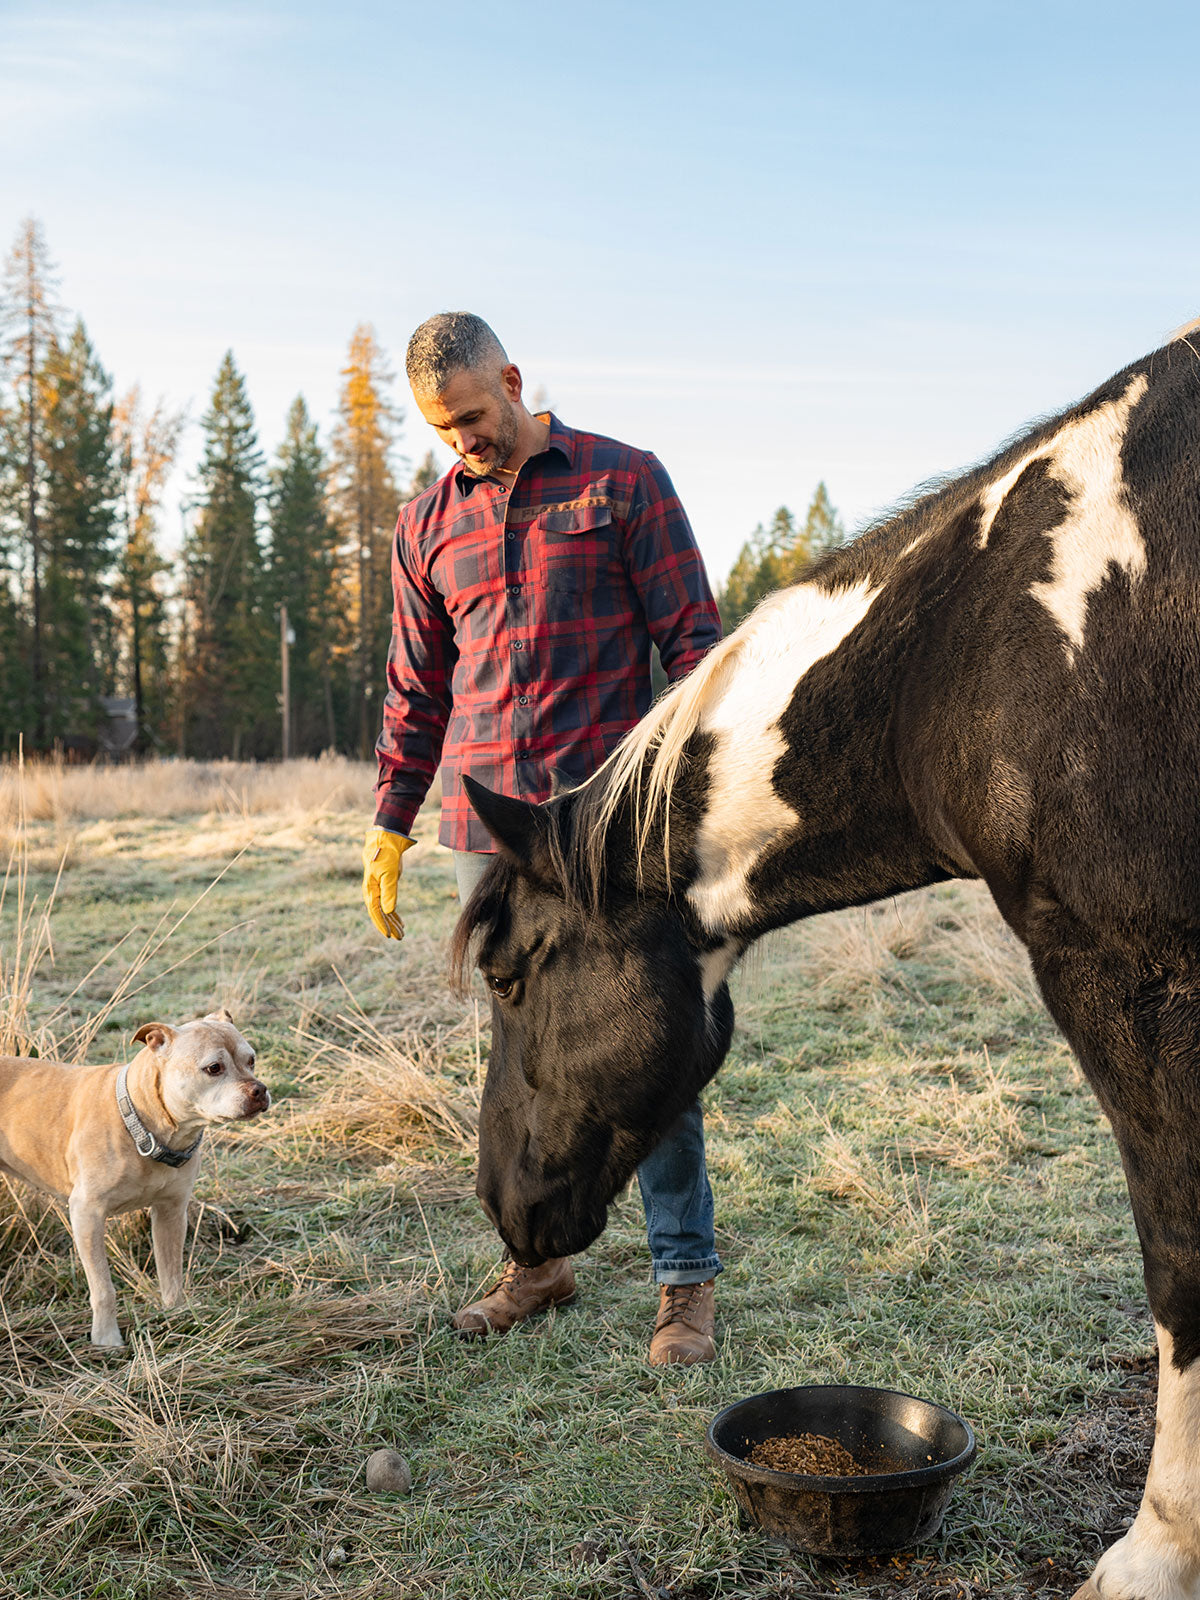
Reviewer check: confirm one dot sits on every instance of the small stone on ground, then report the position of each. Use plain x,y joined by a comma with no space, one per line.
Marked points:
388,1473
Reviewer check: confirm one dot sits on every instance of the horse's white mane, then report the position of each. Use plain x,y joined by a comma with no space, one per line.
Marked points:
647,762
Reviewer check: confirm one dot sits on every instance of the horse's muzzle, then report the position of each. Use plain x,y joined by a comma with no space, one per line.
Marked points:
543,1228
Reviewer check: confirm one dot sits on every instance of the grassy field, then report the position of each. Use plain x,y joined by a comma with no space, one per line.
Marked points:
914,1188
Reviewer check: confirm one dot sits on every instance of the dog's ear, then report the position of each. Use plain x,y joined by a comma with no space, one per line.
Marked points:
155,1034
219,1015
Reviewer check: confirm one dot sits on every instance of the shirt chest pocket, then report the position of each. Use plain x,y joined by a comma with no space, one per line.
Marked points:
578,553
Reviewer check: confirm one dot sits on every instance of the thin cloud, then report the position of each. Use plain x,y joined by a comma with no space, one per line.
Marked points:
60,69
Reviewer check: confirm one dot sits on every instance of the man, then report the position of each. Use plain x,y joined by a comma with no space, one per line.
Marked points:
530,583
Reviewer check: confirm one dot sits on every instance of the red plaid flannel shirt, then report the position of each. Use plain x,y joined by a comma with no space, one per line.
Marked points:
523,624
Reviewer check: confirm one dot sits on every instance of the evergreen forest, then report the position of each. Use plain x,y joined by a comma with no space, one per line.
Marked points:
280,559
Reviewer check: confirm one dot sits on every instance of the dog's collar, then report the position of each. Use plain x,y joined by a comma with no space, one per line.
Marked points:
146,1143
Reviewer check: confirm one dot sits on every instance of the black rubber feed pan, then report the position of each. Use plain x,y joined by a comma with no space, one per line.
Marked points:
913,1448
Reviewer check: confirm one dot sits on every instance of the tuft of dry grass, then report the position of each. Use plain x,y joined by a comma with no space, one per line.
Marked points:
21,954
890,948
858,1176
970,1128
375,1093
206,1426
970,937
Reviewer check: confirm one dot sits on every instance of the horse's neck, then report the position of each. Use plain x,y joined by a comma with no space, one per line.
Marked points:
801,807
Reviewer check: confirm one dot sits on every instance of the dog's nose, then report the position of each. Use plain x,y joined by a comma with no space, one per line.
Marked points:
258,1095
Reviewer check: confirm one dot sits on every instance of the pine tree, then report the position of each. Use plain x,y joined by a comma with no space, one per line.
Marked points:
16,678
78,534
28,321
147,443
426,475
302,574
778,555
365,500
760,567
823,529
228,671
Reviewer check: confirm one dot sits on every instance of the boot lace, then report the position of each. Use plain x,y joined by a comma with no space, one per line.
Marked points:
679,1298
510,1277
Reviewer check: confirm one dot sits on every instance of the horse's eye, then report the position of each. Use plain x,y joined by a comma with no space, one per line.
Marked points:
501,987
214,1069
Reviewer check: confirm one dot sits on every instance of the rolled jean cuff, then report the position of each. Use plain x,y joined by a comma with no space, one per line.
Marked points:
687,1271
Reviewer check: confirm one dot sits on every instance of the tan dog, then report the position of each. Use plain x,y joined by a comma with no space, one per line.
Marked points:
112,1139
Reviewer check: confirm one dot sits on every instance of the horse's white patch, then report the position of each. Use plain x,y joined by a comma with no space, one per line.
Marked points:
777,645
716,965
994,496
1159,1558
1099,529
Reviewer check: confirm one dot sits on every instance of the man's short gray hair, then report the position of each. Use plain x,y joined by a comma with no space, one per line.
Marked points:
450,342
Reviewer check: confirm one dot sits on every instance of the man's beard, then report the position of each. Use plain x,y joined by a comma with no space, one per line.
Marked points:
502,447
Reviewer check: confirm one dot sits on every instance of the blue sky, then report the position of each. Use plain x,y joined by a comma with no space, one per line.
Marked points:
774,244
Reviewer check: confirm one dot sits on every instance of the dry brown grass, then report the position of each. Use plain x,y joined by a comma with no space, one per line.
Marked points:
376,1093
21,953
208,1417
888,1215
49,791
970,937
970,1127
866,954
27,1028
855,1175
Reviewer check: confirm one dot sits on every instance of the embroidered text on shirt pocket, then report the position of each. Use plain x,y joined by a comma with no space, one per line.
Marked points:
576,549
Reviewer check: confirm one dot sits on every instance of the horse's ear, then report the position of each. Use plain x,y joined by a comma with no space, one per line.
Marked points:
519,827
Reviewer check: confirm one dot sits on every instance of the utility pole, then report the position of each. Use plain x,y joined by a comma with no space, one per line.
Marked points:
286,638
39,698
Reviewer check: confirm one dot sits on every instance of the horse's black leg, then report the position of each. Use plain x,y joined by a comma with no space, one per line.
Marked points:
1132,1014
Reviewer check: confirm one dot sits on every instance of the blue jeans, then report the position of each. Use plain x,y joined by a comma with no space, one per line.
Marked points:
676,1194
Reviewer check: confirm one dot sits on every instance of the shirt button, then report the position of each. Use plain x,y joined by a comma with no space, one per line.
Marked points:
514,588
518,644
523,700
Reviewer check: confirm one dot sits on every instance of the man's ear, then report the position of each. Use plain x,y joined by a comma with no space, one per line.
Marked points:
219,1015
156,1034
510,377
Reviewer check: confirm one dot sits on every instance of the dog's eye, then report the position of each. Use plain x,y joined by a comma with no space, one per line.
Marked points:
214,1069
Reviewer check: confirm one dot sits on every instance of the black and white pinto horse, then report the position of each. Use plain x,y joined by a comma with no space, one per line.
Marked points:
1002,681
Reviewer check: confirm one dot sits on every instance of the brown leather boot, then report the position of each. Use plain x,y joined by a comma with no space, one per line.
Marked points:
683,1329
518,1293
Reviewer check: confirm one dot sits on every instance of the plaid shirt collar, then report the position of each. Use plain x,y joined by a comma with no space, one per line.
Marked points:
561,439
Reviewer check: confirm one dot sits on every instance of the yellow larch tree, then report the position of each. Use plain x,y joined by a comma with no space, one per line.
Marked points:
364,501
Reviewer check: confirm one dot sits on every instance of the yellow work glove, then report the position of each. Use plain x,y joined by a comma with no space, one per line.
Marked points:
381,876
